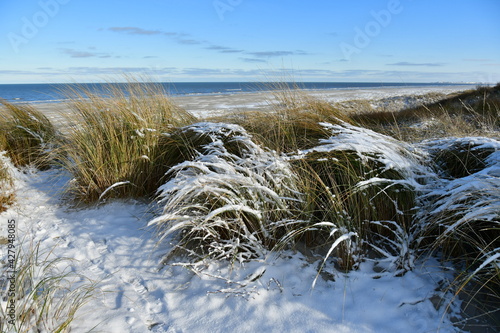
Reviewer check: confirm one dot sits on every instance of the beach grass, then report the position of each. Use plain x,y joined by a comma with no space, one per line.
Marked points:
116,146
306,174
46,295
6,193
293,121
26,134
232,200
463,220
475,112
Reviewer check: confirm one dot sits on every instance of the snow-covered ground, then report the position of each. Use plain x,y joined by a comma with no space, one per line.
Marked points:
111,244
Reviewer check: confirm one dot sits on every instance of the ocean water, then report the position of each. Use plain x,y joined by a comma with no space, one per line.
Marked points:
54,92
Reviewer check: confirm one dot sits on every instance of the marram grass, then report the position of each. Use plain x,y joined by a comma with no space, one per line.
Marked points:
231,200
46,297
463,216
299,175
6,192
475,112
26,134
115,147
293,123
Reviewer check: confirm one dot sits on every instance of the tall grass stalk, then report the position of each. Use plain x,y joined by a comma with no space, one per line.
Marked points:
116,147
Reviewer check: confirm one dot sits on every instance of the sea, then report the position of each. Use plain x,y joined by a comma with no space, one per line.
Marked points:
58,92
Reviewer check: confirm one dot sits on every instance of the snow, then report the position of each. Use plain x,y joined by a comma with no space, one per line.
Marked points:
111,244
115,245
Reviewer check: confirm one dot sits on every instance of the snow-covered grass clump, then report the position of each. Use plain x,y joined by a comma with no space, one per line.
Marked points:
368,184
462,209
26,135
233,200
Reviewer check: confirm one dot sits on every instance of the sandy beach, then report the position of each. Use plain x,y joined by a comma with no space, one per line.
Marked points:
212,105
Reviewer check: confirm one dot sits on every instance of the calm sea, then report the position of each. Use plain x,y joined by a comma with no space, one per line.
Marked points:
53,92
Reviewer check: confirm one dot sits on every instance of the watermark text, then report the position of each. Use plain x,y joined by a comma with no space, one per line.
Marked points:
30,26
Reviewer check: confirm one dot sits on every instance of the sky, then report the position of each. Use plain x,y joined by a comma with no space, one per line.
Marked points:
60,41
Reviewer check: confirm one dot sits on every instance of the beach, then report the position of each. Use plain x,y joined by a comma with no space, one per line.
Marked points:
127,256
206,106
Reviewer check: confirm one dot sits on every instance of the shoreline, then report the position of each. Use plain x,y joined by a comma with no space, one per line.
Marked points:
213,105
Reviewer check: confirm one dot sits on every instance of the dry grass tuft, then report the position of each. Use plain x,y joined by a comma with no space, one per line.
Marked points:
26,135
294,121
117,144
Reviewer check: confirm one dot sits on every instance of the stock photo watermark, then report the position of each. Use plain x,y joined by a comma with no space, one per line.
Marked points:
224,6
11,273
30,26
363,36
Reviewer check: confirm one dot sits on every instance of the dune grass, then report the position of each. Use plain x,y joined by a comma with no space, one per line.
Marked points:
362,195
26,134
304,175
366,184
6,194
475,112
293,123
463,219
44,293
115,148
231,200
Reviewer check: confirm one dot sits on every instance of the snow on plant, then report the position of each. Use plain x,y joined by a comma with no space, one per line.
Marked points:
458,202
233,200
463,209
6,190
372,146
46,294
376,180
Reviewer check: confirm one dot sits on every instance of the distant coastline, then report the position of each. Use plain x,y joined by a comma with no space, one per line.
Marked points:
19,93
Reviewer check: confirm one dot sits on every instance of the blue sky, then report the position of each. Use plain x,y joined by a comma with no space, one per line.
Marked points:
49,41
